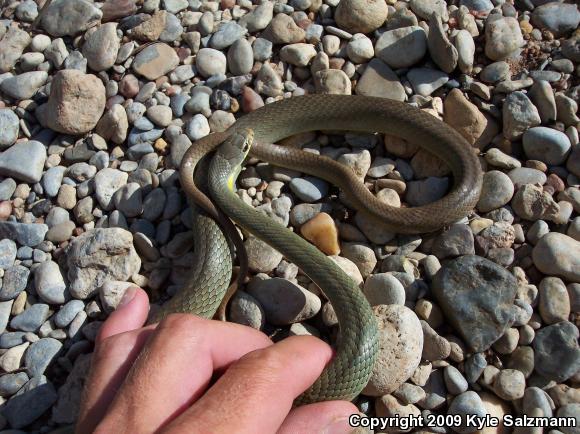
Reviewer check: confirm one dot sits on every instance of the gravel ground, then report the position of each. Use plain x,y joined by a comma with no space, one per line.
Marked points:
100,100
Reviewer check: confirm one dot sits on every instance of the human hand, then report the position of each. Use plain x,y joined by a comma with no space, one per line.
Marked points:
192,375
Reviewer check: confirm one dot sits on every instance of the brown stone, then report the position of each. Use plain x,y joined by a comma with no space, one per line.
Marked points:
76,102
322,232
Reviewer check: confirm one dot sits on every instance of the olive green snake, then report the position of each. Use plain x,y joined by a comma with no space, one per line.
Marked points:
357,346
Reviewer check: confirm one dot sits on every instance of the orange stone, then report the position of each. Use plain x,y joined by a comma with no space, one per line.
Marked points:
322,232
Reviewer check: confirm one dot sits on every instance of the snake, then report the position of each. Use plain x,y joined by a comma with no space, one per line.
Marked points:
254,134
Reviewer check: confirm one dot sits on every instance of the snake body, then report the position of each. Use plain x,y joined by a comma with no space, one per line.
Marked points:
351,367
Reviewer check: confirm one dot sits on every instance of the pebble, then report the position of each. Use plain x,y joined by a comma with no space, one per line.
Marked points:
68,312
527,175
426,191
380,80
557,356
546,144
75,104
519,114
284,302
495,72
31,319
31,151
442,51
384,289
486,295
49,283
503,38
542,96
261,257
456,241
210,62
557,254
25,85
559,19
12,46
40,355
155,61
283,30
467,404
309,189
497,190
37,396
425,81
402,47
356,16
101,47
14,282
87,271
454,381
27,234
322,232
7,253
400,344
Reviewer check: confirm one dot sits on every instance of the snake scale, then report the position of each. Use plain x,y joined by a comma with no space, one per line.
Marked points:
357,346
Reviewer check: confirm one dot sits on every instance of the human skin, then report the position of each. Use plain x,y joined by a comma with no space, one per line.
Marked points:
192,375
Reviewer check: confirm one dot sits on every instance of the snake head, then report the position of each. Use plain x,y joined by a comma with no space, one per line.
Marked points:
234,150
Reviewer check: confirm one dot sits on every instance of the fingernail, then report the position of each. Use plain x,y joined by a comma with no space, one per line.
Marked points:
338,426
127,296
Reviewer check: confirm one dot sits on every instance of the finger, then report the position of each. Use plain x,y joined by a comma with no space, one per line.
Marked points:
175,368
117,345
330,417
256,393
131,314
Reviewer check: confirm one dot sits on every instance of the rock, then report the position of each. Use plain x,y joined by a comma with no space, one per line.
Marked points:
384,289
268,82
360,49
24,161
332,81
111,293
12,383
465,46
75,104
31,319
547,145
9,128
466,118
99,255
107,181
542,96
435,347
49,283
31,401
426,8
245,310
496,72
519,114
299,54
554,304
283,30
363,257
456,241
321,231
66,408
7,253
454,380
442,51
151,29
356,16
14,282
69,17
226,35
496,191
526,175
155,61
380,80
558,254
259,18
503,38
532,203
400,347
12,46
570,411
210,62
115,9
113,125
240,58
129,199
309,189
426,190
477,297
559,18
101,47
402,47
284,302
40,355
26,234
25,85
466,405
68,313
261,257
557,356
425,81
